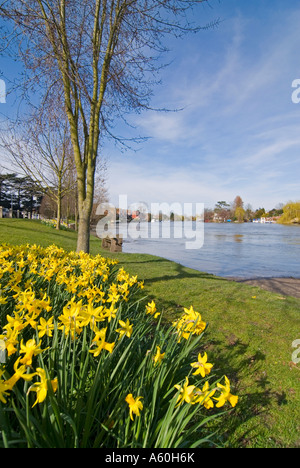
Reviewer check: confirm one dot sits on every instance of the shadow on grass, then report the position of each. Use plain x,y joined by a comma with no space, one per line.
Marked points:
246,424
177,271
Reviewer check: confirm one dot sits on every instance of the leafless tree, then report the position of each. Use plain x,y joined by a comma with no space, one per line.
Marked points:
41,149
104,55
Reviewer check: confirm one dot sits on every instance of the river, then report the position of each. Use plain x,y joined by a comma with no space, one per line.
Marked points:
229,250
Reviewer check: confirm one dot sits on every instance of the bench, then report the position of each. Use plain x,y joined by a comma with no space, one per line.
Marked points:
114,244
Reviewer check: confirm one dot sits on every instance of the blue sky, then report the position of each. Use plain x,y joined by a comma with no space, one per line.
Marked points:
239,132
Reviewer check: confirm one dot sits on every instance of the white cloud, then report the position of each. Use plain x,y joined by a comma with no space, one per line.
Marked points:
166,126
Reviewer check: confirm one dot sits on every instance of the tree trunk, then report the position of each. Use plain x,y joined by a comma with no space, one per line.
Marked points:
58,206
83,237
85,205
58,214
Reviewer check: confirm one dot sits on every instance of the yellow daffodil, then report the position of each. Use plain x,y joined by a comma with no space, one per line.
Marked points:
70,318
202,366
126,328
20,373
226,395
3,388
29,350
45,327
16,323
158,356
122,275
95,294
100,342
90,315
189,324
111,312
123,288
135,405
132,280
25,300
186,392
10,341
151,309
43,304
3,300
204,396
41,388
113,297
31,319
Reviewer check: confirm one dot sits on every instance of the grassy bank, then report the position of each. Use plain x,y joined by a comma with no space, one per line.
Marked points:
250,334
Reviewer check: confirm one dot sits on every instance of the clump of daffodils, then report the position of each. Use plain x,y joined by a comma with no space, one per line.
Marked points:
29,321
83,362
190,323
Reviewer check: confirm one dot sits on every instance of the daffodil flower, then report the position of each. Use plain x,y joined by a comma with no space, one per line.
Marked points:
202,366
41,388
91,315
158,356
186,392
135,405
15,322
204,396
111,312
45,327
3,388
189,324
151,309
101,343
29,350
20,373
126,328
70,318
226,395
10,341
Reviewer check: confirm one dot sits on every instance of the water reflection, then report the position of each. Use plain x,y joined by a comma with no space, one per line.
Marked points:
238,237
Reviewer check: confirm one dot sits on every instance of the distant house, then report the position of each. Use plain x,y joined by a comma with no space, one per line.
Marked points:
269,220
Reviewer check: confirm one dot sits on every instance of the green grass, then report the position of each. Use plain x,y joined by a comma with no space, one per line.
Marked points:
250,334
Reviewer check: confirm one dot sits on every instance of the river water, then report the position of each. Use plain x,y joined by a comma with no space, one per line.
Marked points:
229,250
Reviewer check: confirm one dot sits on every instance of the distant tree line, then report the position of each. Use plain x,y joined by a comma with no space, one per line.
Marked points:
237,211
25,197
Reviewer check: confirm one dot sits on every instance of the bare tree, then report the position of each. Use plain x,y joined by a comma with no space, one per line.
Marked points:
41,148
104,55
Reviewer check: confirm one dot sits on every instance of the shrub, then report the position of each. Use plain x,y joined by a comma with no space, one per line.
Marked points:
291,213
88,364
